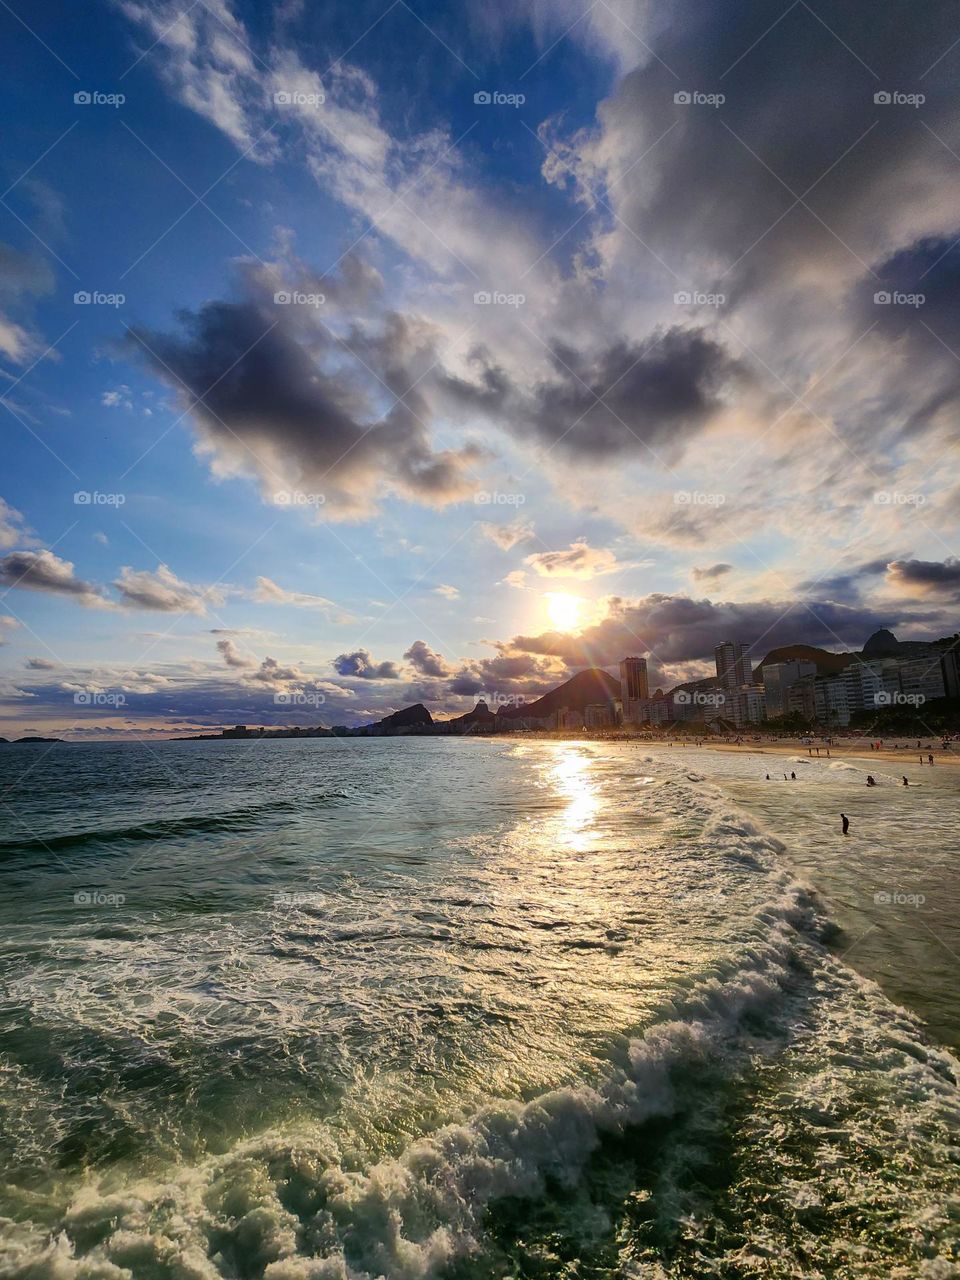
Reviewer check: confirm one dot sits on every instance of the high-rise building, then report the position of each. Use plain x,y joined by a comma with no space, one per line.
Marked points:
733,665
778,679
634,688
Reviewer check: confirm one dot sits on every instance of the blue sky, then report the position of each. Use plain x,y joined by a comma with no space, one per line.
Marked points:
713,394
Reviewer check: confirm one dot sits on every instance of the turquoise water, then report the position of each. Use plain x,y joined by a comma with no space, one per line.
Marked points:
349,1008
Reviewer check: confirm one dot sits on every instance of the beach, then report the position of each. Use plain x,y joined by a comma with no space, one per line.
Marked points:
438,1007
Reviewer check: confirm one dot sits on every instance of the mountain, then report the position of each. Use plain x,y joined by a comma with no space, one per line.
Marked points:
828,664
403,719
480,716
585,688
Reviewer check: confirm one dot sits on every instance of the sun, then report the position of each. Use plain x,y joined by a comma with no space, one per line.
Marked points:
564,610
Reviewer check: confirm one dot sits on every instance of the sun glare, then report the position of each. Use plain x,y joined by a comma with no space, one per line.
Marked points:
564,610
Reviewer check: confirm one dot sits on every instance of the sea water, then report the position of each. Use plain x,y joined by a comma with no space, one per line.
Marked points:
469,1008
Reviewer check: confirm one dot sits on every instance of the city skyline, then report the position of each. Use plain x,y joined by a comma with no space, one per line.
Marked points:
314,388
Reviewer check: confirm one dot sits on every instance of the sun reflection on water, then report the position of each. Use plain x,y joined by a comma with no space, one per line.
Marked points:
571,773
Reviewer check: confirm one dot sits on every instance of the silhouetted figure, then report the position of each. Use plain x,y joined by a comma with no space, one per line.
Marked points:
905,782
793,776
846,824
768,777
930,759
871,780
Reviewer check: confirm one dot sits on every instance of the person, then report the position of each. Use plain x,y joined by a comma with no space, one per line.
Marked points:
793,775
768,777
846,824
905,782
871,780
930,759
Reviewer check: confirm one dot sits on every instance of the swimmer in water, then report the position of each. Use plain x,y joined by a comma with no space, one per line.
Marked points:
905,782
846,824
871,780
793,775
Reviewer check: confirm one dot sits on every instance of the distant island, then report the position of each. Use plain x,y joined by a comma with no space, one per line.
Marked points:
16,741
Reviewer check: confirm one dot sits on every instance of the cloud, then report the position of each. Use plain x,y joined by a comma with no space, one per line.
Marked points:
232,655
6,624
13,529
448,592
119,398
269,592
578,561
712,573
272,673
41,664
425,661
163,591
273,393
939,576
516,578
676,629
21,277
507,536
361,665
44,571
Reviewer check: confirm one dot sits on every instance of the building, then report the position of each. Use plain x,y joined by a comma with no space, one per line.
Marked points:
733,665
634,688
748,705
778,679
597,715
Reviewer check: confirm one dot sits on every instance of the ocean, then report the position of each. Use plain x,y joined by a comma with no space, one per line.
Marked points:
349,1008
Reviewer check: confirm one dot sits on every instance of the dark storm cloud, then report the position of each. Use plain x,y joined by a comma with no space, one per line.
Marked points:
44,571
927,575
848,584
362,666
273,392
676,628
799,92
626,397
425,661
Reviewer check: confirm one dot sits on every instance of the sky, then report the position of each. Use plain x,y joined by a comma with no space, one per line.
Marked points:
360,355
